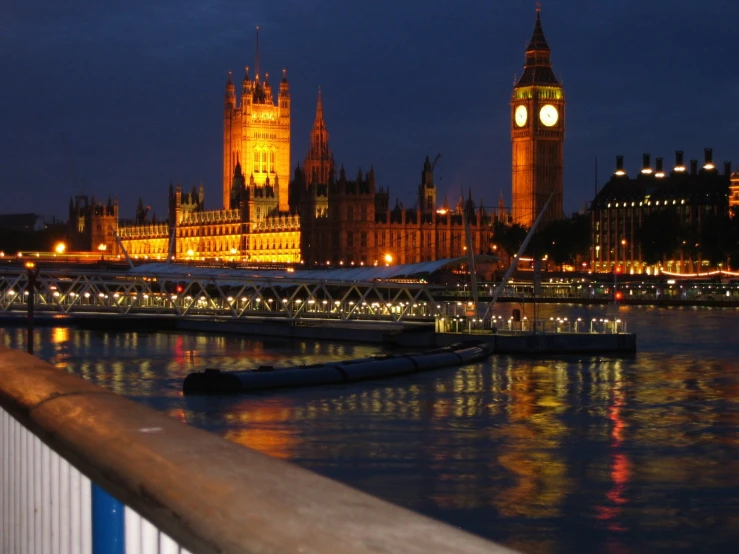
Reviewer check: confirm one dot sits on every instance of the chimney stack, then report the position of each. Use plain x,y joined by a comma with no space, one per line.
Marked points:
708,156
727,169
679,165
694,167
620,166
646,168
659,172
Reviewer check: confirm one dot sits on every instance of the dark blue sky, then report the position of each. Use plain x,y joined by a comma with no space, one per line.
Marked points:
137,87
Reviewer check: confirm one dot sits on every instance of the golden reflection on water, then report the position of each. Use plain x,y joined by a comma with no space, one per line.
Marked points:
264,428
60,335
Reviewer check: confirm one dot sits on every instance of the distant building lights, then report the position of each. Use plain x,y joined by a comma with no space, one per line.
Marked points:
659,174
679,168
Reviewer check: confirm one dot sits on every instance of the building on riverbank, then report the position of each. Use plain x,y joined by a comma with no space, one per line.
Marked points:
691,195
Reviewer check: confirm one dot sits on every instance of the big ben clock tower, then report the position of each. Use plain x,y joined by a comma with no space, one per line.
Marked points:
538,135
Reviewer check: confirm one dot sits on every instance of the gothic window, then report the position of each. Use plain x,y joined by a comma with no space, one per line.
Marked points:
350,239
350,213
264,162
256,162
364,213
363,239
272,161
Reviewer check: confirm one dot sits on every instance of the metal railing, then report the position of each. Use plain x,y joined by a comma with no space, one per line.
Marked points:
183,295
85,470
499,324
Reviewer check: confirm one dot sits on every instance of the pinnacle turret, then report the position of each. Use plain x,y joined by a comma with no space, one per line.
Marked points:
230,99
284,86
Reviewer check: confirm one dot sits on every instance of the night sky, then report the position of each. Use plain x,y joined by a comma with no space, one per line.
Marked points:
137,88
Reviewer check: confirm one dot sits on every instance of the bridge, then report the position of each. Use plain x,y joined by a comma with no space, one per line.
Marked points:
391,294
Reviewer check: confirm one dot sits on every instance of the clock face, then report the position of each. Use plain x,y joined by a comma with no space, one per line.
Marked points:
521,115
548,115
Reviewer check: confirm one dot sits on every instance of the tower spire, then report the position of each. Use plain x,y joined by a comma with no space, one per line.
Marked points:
319,160
319,106
538,67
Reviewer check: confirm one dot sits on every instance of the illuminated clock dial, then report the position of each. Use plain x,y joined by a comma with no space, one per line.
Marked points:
521,115
548,115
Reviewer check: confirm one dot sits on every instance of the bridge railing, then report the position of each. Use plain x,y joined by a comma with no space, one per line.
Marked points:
181,295
85,470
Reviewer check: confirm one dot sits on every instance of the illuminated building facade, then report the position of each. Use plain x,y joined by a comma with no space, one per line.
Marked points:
256,135
537,135
619,208
734,191
349,221
254,224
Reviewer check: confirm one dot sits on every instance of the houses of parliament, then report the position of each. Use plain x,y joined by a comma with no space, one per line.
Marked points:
318,215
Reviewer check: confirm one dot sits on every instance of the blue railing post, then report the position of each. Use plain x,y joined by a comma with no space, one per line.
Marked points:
108,532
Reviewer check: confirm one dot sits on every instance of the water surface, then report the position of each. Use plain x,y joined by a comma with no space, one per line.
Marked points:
556,454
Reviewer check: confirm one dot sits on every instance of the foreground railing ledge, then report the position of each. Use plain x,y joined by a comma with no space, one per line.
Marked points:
206,493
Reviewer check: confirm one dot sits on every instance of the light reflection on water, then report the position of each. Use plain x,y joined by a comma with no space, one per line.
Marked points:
545,455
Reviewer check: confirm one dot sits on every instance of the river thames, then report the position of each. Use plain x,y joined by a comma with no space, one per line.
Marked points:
556,454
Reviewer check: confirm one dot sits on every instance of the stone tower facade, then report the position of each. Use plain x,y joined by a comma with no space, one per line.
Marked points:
537,134
92,224
256,134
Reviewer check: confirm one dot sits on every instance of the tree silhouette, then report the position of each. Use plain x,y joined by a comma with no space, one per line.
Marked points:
508,238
